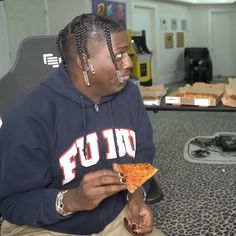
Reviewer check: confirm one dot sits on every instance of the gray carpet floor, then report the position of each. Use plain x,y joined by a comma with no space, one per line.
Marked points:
200,199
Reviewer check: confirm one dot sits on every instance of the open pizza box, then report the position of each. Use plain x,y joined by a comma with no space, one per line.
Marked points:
152,94
229,97
199,94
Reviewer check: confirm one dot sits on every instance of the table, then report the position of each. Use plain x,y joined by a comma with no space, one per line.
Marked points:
168,107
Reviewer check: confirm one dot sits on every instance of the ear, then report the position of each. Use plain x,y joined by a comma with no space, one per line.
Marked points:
85,62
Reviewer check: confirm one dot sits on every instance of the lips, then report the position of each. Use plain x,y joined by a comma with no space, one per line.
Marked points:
125,77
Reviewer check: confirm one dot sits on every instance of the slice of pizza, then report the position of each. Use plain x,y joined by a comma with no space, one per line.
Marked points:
136,174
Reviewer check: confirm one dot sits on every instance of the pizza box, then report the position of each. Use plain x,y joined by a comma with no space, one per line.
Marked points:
199,94
229,97
152,94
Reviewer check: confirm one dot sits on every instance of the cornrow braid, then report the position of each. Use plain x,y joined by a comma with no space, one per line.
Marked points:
81,40
84,38
79,44
107,31
59,46
85,46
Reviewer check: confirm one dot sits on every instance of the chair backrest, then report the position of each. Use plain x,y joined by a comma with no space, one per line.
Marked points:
196,53
198,65
36,57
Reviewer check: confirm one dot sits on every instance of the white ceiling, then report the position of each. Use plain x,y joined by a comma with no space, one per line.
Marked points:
206,1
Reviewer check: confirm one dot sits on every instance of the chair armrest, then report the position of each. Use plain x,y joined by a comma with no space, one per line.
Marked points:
154,194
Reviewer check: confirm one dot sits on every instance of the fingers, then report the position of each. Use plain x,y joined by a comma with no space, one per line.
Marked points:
94,188
104,178
100,173
109,180
127,225
135,229
108,190
140,220
103,183
134,215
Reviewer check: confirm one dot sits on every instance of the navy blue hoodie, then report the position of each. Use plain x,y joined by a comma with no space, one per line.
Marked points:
42,151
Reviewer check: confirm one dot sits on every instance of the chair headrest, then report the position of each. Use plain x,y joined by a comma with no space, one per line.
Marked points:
197,53
36,57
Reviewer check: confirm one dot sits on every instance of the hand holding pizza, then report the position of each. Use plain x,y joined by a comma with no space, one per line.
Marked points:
93,189
140,216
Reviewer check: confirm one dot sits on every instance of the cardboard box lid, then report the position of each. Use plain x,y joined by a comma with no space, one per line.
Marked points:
229,97
203,88
153,92
230,88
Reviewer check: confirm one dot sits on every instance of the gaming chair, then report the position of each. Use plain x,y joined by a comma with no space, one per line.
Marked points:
36,57
198,65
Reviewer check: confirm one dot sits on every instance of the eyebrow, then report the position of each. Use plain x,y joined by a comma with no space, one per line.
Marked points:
122,47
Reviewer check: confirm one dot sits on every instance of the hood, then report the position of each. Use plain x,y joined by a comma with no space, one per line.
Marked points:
59,81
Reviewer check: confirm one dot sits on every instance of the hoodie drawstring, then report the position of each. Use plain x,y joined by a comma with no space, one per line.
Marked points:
85,125
113,130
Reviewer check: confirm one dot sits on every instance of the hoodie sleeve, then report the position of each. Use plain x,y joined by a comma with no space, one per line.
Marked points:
25,172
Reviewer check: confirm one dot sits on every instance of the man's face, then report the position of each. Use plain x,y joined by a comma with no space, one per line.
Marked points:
104,81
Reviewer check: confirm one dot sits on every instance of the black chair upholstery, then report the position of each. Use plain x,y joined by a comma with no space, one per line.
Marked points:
155,194
198,65
36,57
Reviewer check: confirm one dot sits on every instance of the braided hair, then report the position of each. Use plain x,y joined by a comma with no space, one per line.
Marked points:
81,32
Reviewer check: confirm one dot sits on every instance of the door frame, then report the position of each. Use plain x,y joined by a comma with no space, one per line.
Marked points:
154,8
210,13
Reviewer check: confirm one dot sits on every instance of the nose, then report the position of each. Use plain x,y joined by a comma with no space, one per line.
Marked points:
127,63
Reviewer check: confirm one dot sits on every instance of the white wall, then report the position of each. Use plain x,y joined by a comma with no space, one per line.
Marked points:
234,31
61,12
171,61
4,48
24,18
220,47
199,23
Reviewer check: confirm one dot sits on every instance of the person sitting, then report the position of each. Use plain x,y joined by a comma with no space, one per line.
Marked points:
58,143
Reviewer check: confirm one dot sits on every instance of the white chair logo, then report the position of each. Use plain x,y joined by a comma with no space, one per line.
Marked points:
51,60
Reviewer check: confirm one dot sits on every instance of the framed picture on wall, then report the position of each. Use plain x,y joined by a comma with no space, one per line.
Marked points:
180,39
116,10
174,24
163,23
183,24
169,41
